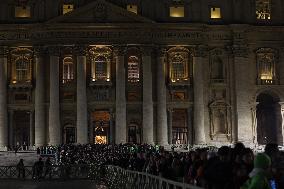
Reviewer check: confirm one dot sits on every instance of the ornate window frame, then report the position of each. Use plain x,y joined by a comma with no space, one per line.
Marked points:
266,78
97,52
16,55
217,54
68,60
184,55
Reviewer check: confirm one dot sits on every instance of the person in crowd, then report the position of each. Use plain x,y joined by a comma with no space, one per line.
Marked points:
260,176
48,167
21,169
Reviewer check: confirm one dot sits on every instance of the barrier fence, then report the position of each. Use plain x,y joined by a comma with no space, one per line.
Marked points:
117,178
113,177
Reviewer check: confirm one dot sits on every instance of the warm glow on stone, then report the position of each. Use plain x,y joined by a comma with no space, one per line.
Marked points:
177,11
22,12
215,13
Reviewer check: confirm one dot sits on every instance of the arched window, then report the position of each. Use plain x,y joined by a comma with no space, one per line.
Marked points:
133,69
178,64
21,59
100,63
22,69
68,70
263,9
217,70
266,66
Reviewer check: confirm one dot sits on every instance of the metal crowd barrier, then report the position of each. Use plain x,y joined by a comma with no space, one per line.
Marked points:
117,178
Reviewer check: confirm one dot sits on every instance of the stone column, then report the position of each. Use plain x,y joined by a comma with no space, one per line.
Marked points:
40,129
254,123
3,99
170,125
282,121
32,130
148,127
189,125
111,129
199,60
91,129
11,128
82,114
120,110
54,104
162,126
242,92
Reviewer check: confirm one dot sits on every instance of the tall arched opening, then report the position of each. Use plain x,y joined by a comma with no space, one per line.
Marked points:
268,114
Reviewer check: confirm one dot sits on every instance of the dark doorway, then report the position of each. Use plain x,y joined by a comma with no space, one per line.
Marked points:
134,133
268,120
69,134
22,128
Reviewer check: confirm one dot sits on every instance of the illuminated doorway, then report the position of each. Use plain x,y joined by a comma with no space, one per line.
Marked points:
179,126
101,125
268,119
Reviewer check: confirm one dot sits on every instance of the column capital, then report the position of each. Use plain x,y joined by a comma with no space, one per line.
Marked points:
146,50
119,50
200,51
54,50
80,50
39,50
161,51
4,51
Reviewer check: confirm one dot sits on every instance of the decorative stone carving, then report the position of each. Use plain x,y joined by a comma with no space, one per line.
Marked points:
219,115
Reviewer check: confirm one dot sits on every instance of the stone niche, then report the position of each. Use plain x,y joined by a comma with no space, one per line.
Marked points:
220,127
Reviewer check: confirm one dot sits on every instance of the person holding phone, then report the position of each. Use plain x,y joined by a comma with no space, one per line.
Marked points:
260,177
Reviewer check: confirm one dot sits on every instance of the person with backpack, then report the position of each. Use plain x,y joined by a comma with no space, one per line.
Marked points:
260,176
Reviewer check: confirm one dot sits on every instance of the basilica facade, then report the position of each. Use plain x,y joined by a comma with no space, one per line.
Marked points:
141,71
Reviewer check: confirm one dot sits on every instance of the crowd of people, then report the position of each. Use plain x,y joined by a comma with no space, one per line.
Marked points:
224,168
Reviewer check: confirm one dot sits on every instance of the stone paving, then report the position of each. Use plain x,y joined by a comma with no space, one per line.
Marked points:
11,159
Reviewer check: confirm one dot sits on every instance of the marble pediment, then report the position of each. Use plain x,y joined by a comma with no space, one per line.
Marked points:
100,11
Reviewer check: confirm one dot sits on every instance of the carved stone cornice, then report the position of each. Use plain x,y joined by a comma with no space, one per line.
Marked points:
200,51
54,50
80,50
4,51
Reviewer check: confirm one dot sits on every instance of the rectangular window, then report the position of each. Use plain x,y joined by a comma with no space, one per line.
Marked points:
22,12
67,8
177,11
215,13
132,8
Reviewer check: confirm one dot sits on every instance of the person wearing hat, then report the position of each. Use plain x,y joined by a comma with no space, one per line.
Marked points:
259,177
